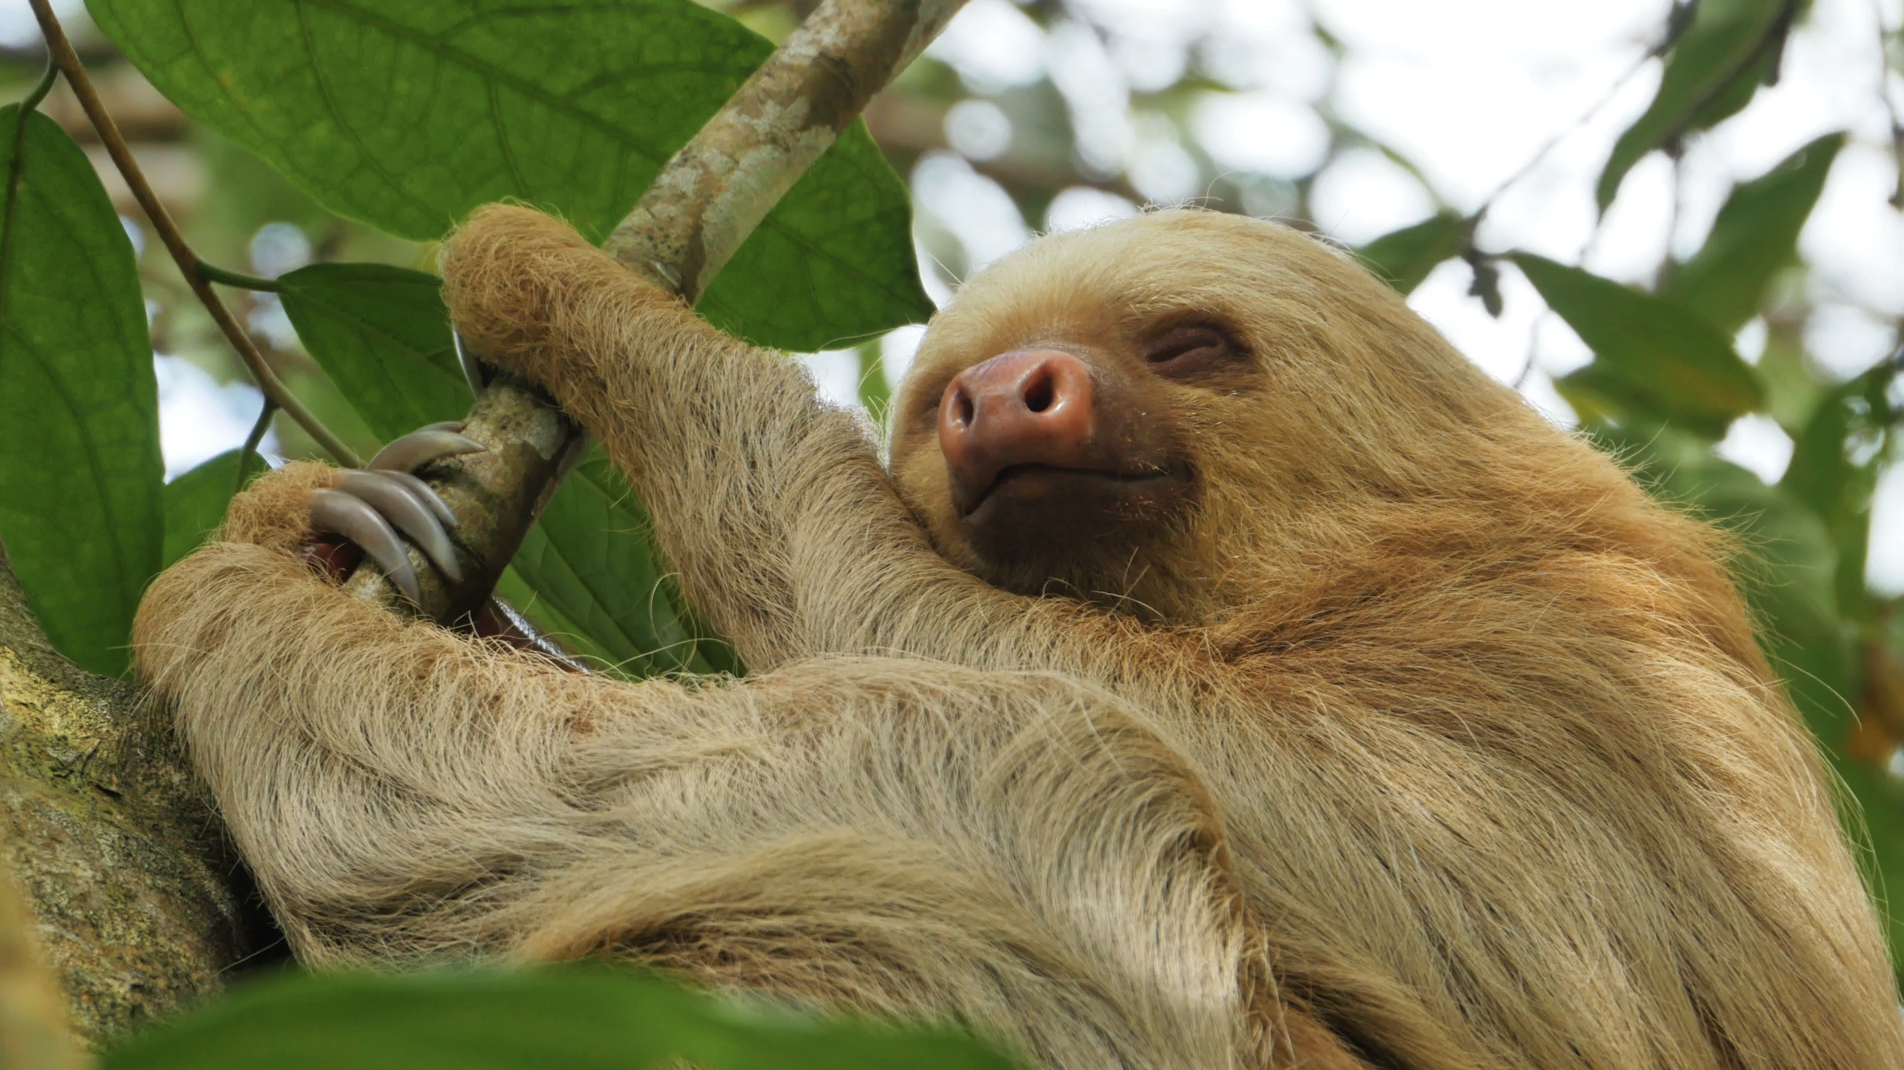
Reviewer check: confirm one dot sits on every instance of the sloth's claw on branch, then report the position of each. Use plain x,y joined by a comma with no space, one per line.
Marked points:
369,506
426,494
473,369
420,447
398,503
345,514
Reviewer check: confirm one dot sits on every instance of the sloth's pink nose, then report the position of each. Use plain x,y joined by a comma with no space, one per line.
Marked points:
1026,407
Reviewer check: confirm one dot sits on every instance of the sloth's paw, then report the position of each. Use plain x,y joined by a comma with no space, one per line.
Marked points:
369,506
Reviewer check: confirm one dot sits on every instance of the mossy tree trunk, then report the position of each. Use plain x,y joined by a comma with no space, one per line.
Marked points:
121,859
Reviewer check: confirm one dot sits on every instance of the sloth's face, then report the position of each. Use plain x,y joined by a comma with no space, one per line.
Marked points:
1156,410
1059,461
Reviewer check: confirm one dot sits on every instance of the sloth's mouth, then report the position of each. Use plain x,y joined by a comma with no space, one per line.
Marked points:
1076,501
1027,484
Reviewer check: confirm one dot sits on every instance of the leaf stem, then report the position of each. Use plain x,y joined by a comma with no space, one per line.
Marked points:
40,88
211,272
189,265
256,436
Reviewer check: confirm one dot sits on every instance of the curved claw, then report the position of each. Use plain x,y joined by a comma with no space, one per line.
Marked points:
421,447
426,494
343,514
473,370
401,507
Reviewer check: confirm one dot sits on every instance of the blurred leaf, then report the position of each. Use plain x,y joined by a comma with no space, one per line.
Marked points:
1653,358
383,336
1877,827
873,391
1403,258
407,116
1755,236
195,502
1834,469
1711,72
577,1018
80,471
591,560
1787,575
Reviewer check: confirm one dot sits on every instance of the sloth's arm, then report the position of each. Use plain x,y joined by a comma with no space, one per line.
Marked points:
900,836
773,507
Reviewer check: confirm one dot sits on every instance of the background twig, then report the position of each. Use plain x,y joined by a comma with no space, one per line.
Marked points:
189,265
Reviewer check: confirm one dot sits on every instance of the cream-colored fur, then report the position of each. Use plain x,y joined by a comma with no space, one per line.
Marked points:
1426,727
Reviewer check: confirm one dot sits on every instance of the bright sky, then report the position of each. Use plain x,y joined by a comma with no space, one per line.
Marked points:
1471,90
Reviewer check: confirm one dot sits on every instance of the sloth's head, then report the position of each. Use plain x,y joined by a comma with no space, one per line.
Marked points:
1143,411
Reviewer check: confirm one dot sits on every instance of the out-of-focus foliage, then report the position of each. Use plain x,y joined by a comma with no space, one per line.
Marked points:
576,1018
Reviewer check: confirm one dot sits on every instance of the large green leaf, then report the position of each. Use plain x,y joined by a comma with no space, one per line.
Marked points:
195,502
383,336
1654,358
1404,257
408,115
574,1018
1755,235
79,407
591,560
1711,73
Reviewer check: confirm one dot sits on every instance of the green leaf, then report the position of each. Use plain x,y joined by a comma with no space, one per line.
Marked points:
1404,257
383,336
79,407
409,115
195,502
1711,73
1787,573
1874,818
592,561
1653,357
1834,469
577,1018
1755,236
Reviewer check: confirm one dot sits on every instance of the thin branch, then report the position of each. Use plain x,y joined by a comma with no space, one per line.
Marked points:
40,88
189,265
213,273
258,429
1541,154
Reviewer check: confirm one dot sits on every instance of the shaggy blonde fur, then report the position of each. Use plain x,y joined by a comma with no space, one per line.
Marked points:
1427,731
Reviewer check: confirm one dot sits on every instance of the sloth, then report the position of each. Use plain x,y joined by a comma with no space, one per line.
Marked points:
1221,672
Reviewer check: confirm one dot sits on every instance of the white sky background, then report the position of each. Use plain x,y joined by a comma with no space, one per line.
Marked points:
1471,90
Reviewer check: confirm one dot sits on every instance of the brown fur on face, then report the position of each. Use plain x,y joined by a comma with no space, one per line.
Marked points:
1439,744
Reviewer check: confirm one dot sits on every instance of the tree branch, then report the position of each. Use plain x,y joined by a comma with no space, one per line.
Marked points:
189,265
698,211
